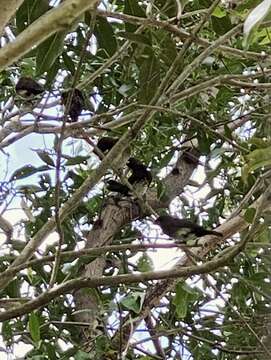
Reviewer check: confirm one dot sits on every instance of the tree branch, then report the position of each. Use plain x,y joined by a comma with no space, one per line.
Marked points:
8,8
57,19
95,282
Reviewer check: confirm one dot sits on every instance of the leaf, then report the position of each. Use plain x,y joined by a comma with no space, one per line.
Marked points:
219,12
259,142
50,351
149,78
26,171
167,51
81,355
48,52
204,142
221,25
137,38
258,159
133,301
227,132
145,263
264,236
77,160
264,36
105,36
68,63
45,157
51,73
181,300
28,188
6,330
29,11
131,7
161,189
34,327
249,215
254,19
166,158
217,152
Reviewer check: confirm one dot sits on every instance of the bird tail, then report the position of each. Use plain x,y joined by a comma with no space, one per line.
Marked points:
216,233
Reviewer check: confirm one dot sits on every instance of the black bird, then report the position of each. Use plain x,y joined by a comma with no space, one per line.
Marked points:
140,172
27,88
115,186
106,143
75,99
182,229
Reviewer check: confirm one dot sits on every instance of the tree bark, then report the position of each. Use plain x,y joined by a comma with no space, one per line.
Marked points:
8,9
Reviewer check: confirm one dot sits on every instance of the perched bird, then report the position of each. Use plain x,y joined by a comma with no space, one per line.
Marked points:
106,143
182,229
140,172
115,186
27,88
75,100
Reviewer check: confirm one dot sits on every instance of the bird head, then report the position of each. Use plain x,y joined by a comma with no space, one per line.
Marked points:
132,162
160,219
110,182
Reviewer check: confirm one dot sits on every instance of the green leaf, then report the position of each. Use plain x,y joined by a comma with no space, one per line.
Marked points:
221,25
264,236
217,152
249,215
51,74
227,132
166,158
133,301
181,300
26,171
68,63
50,351
81,355
259,142
161,189
137,38
258,159
13,288
167,49
28,188
264,36
6,331
224,95
105,36
254,19
149,78
204,142
131,7
76,160
45,157
48,52
34,327
145,263
219,12
29,11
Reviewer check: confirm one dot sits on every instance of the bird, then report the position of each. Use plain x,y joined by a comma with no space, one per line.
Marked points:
74,99
116,186
182,229
106,143
28,88
140,172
